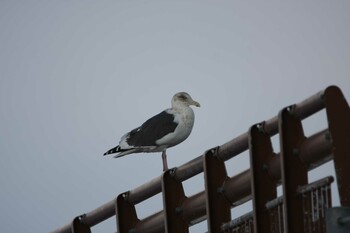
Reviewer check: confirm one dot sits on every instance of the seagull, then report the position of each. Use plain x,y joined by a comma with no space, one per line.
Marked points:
164,130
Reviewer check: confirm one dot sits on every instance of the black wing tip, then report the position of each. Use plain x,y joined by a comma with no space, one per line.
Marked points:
112,151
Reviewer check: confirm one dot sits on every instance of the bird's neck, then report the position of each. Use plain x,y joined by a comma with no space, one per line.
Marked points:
180,107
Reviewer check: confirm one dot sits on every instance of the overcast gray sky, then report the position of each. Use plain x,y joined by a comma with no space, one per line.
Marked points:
76,75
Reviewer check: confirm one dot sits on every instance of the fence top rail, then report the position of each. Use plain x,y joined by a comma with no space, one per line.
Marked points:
226,151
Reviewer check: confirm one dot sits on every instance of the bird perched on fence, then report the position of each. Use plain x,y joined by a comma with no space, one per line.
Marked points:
166,129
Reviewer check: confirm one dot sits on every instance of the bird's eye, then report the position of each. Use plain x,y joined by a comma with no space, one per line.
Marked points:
182,97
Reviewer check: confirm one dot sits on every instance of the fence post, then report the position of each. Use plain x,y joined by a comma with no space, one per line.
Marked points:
263,186
173,198
293,170
79,227
217,206
338,114
125,213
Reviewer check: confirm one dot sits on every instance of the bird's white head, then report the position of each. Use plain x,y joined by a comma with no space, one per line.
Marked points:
183,99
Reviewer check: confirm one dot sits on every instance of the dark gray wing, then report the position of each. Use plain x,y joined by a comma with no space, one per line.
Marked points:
152,130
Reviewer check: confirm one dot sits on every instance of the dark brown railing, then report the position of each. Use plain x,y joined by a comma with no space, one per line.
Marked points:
302,206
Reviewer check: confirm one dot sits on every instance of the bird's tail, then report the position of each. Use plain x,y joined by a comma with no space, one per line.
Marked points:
113,150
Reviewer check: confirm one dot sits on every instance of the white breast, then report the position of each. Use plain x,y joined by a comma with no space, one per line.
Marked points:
185,119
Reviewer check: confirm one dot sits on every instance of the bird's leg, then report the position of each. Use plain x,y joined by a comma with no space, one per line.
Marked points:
165,163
